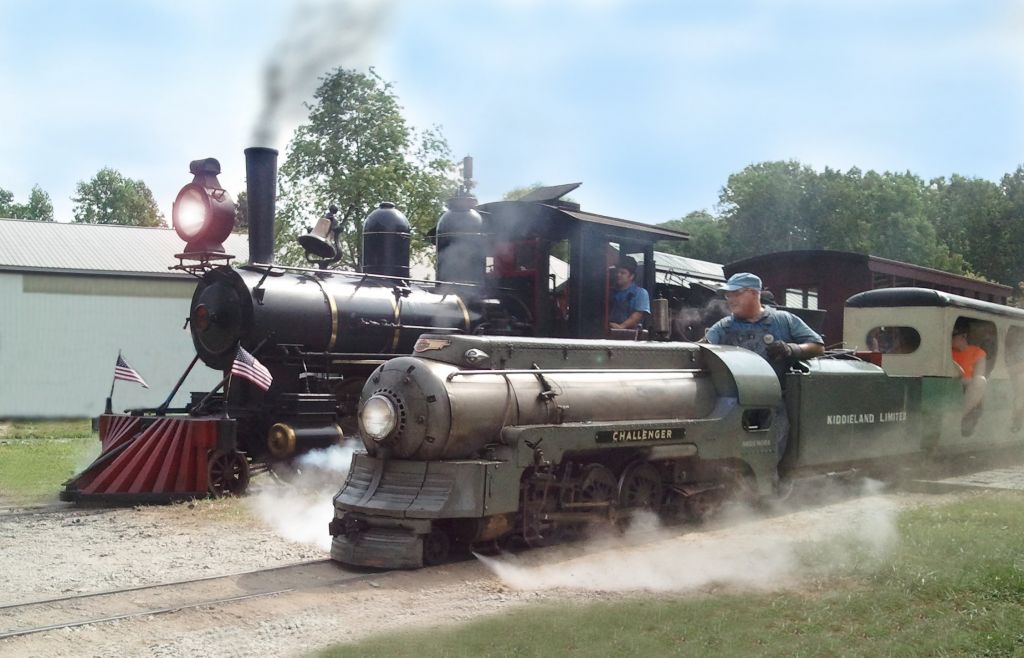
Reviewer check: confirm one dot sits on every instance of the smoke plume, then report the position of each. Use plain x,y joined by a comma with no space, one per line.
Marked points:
320,36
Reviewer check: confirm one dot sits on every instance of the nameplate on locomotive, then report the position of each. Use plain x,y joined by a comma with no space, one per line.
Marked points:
646,434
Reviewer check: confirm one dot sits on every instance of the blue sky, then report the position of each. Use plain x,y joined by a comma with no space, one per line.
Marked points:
652,104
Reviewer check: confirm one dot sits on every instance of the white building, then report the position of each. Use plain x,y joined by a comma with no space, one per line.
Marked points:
72,296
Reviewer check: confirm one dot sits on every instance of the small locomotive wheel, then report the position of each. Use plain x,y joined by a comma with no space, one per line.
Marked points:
598,484
435,548
640,487
228,473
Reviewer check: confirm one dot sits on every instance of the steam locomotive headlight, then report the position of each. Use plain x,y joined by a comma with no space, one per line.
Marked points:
190,210
378,418
203,213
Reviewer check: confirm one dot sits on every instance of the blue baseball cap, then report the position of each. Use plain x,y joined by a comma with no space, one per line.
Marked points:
742,280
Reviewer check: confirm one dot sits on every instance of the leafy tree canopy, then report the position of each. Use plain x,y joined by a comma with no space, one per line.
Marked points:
111,198
708,238
960,225
356,151
39,207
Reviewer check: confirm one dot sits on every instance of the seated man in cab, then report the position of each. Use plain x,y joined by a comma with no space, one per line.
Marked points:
971,361
630,303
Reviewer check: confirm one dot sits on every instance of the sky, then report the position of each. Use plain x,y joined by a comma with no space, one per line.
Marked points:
651,104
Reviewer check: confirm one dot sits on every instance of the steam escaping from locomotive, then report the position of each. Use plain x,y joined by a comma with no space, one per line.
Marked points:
298,509
747,551
320,36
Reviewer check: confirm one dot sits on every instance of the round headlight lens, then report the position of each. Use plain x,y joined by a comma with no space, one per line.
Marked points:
190,212
378,417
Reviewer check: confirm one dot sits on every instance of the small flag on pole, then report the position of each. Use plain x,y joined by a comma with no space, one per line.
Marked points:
124,371
248,367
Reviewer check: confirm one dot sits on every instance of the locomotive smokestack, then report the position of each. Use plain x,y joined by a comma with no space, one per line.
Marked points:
261,193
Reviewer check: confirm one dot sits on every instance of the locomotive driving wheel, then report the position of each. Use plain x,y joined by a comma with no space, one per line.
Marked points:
436,546
640,487
538,501
598,484
227,472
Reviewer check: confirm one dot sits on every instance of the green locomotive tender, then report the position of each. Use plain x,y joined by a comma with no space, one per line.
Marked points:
473,440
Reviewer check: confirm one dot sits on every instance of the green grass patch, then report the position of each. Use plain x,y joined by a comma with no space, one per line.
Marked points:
952,586
36,457
46,429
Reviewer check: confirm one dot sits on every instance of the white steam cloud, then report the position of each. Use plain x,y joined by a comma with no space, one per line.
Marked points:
745,552
300,509
320,37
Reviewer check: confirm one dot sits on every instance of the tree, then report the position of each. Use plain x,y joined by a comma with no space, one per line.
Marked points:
782,206
39,207
762,207
7,206
111,198
708,238
241,213
356,151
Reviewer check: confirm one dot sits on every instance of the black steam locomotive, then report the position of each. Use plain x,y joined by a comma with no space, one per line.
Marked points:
322,331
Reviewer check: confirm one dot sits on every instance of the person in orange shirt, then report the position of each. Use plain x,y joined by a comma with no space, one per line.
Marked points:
971,361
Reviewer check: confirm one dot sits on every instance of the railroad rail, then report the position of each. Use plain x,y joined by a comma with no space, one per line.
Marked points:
44,615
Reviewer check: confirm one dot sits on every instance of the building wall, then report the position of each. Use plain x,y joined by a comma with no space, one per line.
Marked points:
60,335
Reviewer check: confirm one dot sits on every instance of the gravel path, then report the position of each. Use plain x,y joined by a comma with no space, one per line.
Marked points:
79,551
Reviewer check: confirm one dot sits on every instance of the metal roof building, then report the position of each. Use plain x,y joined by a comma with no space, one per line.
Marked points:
73,296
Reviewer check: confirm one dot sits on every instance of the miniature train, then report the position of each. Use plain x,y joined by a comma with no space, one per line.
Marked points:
474,440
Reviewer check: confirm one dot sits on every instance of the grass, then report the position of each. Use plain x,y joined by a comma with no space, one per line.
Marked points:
953,586
46,429
37,456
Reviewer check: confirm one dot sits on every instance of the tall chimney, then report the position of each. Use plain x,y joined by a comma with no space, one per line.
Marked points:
261,193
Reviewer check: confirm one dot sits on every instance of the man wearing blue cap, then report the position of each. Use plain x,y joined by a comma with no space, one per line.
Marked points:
630,303
778,336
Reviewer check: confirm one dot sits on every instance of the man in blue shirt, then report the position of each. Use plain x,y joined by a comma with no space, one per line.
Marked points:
778,336
630,303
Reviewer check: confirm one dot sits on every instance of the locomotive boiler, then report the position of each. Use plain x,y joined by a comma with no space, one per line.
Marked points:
321,331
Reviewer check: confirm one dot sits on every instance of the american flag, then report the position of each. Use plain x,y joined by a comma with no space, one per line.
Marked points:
124,371
248,367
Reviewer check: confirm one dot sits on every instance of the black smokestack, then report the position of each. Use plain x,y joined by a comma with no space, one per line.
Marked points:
261,193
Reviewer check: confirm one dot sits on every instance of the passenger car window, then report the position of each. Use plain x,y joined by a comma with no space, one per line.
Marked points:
893,340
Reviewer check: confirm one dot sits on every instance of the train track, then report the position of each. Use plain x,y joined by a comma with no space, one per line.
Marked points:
14,512
44,615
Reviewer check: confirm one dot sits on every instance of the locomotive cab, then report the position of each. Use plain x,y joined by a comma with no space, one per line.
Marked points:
554,259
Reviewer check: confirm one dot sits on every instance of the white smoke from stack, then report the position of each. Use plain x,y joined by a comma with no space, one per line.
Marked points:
300,509
744,551
320,37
